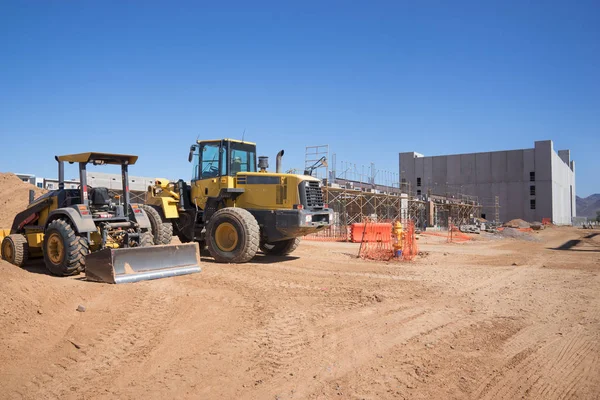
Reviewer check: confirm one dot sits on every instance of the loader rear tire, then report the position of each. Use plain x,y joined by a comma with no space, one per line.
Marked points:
281,248
64,250
15,249
233,235
162,231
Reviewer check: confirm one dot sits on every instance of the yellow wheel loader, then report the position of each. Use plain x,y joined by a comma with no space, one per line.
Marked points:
235,208
84,229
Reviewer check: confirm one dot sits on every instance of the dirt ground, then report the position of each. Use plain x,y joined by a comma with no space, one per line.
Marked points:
485,319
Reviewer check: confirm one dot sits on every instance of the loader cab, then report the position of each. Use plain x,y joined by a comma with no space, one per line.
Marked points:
219,158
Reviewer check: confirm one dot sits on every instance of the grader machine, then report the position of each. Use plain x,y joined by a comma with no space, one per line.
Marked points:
84,229
235,208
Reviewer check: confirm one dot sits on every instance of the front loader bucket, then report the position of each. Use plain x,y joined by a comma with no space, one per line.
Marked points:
135,264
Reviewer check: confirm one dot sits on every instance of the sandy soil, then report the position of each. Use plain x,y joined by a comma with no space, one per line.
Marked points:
481,320
14,197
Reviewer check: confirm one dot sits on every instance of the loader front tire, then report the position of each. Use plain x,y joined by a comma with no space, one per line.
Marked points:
146,239
233,235
15,249
162,231
281,248
64,250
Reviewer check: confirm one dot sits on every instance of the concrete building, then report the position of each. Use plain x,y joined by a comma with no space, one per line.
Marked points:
52,183
94,179
32,179
531,184
114,181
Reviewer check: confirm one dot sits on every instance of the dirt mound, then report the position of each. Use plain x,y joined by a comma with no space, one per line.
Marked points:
517,223
517,234
14,197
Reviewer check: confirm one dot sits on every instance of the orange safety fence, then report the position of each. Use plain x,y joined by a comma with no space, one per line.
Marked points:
330,234
500,229
370,231
456,236
409,241
378,241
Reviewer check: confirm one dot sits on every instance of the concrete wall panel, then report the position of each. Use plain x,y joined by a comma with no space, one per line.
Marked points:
468,170
483,166
499,167
440,173
514,165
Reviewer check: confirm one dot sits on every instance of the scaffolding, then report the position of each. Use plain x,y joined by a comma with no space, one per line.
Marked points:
316,161
357,193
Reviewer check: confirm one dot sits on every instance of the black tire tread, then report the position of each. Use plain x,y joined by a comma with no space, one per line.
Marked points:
20,247
162,231
76,247
250,247
146,239
281,248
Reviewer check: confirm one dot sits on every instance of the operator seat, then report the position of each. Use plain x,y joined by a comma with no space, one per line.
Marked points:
99,197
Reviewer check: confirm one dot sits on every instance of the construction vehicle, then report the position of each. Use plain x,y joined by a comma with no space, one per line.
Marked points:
86,229
234,209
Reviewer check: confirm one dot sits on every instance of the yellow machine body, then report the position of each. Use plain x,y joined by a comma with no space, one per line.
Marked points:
285,205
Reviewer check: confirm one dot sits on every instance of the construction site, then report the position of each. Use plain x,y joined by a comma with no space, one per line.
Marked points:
357,193
385,294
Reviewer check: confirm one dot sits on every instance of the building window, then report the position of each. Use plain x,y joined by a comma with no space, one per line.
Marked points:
39,184
483,216
532,190
532,176
418,181
418,192
50,186
532,204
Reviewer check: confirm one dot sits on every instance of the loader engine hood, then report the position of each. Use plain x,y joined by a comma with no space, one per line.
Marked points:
265,190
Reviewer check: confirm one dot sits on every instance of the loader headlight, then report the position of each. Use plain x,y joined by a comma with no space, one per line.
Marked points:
308,219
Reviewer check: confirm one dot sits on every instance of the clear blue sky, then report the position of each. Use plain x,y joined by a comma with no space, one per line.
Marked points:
370,79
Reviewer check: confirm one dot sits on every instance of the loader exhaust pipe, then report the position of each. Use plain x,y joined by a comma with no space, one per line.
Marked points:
278,162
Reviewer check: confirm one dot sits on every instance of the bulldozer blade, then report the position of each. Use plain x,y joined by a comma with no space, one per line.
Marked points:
135,264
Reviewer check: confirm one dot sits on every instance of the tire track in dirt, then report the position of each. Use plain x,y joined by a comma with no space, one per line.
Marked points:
335,349
549,371
127,335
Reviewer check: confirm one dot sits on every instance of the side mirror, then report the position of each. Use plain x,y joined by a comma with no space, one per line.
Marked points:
191,155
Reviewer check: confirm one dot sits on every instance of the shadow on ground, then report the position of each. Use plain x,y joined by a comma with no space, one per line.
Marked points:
570,245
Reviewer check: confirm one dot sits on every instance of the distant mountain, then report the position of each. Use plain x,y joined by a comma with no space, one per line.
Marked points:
587,207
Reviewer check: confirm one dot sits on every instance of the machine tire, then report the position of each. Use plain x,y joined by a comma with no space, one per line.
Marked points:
238,223
162,231
15,249
71,259
281,248
147,239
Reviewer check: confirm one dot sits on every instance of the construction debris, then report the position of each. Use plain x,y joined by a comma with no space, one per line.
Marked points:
517,223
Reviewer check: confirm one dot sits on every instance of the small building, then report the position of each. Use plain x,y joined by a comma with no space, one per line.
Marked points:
52,183
27,178
114,181
531,184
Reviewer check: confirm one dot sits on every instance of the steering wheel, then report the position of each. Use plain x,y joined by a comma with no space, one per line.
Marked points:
87,186
211,172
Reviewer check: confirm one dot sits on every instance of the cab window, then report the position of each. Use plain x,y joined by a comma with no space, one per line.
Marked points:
210,160
196,163
243,158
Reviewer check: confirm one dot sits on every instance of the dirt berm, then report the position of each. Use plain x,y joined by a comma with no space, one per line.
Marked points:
14,197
